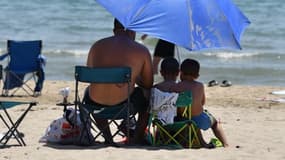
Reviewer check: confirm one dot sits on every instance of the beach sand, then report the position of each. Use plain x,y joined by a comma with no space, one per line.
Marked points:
253,124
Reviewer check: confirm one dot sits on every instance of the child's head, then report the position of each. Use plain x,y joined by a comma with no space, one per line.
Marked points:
169,66
190,67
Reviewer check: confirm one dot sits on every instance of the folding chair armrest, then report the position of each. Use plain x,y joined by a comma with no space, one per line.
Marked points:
3,56
33,103
156,121
10,104
42,60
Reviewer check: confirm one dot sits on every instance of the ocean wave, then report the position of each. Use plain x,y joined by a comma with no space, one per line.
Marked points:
242,55
2,51
66,52
230,55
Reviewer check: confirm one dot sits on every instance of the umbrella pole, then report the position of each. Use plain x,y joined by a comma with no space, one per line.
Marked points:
178,54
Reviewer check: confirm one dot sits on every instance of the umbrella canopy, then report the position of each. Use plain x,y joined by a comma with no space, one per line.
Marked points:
193,24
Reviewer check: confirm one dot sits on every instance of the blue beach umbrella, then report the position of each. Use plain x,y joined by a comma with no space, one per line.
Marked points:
192,24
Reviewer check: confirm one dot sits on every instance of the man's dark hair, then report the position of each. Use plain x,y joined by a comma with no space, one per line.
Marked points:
169,65
118,25
190,67
119,28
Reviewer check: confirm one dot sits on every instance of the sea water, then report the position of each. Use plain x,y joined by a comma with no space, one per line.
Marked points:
68,28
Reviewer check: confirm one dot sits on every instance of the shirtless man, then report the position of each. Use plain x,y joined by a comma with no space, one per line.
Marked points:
189,72
122,50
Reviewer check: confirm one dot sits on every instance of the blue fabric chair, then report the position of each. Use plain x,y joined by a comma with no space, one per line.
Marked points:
12,125
24,58
102,75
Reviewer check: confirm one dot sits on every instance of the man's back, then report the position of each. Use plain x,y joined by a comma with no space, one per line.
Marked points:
117,51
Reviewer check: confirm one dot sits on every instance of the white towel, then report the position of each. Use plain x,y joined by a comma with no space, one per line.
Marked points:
163,103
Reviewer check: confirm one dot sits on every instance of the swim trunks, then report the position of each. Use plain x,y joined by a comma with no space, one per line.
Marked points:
137,99
204,121
164,49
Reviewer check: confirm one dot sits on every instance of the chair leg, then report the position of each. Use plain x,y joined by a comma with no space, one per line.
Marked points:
184,137
13,131
84,120
7,135
24,84
24,89
5,92
104,130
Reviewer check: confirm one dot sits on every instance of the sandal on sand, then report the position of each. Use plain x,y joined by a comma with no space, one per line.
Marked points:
226,83
213,83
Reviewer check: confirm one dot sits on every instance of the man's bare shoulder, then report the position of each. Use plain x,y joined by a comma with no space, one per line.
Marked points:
102,41
143,48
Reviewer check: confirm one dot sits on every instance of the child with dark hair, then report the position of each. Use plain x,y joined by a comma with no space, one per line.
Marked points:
169,70
189,72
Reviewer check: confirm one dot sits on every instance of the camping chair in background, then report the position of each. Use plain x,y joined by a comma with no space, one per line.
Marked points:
12,125
25,58
102,75
1,73
180,132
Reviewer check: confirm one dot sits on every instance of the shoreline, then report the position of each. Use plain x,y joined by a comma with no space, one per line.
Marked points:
253,124
249,95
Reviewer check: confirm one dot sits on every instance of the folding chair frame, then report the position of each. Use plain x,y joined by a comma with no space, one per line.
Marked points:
25,87
10,124
28,89
167,136
101,75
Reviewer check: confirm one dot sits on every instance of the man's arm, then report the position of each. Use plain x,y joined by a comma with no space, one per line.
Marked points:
146,78
90,57
203,96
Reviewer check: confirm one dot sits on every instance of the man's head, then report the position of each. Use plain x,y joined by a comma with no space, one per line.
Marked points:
190,67
169,66
119,29
118,25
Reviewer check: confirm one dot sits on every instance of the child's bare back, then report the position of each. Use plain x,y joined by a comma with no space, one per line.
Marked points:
198,95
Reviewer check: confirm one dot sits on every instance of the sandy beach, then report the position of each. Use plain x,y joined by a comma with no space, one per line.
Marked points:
254,126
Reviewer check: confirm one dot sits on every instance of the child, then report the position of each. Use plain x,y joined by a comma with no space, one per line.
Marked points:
170,70
189,72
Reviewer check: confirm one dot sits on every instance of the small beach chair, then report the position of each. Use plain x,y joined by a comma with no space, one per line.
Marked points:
12,125
24,58
87,112
180,132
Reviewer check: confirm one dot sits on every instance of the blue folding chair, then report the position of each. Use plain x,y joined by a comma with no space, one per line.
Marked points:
12,125
103,75
24,59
